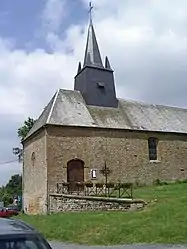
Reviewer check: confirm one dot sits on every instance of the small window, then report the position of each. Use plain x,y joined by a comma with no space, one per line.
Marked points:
33,158
152,146
101,84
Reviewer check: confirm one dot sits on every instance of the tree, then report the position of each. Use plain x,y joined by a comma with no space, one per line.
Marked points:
22,133
14,186
11,189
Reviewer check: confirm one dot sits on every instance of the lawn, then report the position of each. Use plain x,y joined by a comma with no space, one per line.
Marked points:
162,221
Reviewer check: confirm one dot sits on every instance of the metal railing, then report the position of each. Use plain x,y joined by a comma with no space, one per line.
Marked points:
118,190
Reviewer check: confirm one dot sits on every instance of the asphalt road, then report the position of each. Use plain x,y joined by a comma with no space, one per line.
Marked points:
142,246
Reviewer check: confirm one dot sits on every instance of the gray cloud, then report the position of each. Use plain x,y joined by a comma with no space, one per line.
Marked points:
152,76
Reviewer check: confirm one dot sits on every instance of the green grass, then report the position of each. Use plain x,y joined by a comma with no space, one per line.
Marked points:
162,221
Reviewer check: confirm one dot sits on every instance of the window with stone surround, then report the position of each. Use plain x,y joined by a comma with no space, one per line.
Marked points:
152,146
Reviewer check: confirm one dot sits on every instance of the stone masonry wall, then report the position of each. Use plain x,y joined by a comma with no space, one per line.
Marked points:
35,174
72,203
125,152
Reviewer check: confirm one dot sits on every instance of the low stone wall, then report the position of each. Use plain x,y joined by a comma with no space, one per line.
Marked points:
64,203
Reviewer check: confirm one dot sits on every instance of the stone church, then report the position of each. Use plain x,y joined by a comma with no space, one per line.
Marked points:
82,129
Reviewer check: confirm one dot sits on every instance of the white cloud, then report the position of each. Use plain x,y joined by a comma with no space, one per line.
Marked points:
31,79
145,41
55,11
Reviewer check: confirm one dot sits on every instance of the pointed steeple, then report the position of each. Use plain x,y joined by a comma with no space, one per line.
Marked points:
92,54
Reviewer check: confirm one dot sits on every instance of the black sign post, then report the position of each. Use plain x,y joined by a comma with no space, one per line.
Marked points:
105,171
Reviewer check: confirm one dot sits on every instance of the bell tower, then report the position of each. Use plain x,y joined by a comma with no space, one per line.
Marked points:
95,81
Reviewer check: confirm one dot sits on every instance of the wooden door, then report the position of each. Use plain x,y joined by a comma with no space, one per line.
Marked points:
75,174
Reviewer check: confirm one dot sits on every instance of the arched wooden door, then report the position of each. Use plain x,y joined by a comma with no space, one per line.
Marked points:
75,173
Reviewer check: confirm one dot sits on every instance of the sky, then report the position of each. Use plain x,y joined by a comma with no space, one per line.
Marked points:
42,41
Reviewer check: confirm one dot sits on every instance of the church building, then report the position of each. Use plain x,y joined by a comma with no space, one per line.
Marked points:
82,129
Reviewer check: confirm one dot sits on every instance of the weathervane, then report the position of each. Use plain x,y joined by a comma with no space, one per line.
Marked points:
90,11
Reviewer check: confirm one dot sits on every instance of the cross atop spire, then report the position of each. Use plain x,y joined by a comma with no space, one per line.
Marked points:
90,11
92,54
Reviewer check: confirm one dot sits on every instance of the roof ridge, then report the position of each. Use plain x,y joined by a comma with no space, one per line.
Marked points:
52,107
152,104
43,117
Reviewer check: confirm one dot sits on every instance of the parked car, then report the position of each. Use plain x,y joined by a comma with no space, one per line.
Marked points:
13,209
16,234
4,213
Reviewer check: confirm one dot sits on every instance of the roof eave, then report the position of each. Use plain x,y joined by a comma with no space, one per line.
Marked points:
33,134
114,129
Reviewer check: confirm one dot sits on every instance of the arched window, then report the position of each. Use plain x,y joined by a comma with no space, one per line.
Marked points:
152,146
33,158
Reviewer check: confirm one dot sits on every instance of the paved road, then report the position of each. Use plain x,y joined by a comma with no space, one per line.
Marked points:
143,246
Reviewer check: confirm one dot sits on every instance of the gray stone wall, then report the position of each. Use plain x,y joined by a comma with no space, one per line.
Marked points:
35,175
125,152
73,204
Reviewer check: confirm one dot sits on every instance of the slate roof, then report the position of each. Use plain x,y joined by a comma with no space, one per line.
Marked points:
68,108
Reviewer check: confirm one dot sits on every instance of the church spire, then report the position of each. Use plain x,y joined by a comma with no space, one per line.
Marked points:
92,54
94,81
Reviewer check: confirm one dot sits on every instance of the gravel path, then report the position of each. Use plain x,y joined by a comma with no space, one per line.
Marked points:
56,245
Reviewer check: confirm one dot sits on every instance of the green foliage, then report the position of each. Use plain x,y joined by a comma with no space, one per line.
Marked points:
11,189
14,186
22,133
19,152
